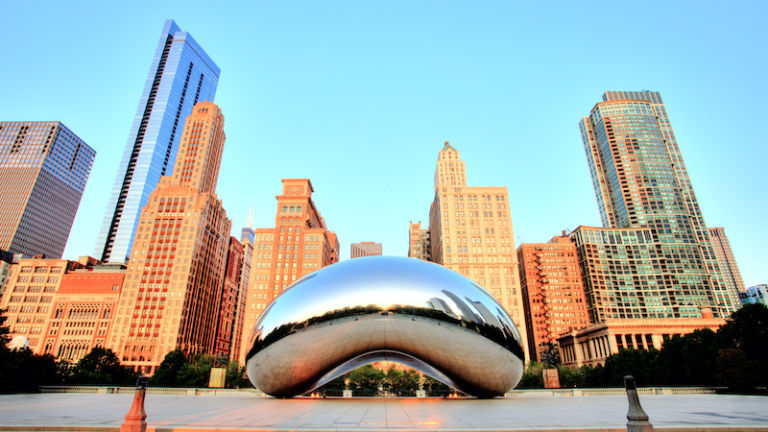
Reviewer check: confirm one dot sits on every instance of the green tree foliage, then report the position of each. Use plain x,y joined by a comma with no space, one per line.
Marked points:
532,376
176,370
167,374
365,380
102,367
401,383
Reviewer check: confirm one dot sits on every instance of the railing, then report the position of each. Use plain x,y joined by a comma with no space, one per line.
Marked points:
609,391
153,390
257,393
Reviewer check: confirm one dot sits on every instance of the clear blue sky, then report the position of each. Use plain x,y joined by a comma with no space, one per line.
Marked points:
359,96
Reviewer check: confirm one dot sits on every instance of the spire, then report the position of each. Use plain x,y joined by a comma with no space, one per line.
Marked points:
448,146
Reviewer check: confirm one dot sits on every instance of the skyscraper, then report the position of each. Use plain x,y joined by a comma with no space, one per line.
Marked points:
173,287
299,244
364,249
553,292
181,75
651,216
43,171
727,262
470,231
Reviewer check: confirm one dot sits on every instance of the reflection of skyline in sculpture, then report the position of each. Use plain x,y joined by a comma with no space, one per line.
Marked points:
440,304
334,320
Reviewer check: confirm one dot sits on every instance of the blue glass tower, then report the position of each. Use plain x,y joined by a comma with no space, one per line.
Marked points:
181,75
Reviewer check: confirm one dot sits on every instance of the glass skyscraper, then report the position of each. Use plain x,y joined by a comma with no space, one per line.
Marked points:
43,171
181,75
654,257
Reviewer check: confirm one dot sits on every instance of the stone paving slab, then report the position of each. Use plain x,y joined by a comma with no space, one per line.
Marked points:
64,411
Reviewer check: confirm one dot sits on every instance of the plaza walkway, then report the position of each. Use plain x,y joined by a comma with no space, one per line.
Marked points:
66,411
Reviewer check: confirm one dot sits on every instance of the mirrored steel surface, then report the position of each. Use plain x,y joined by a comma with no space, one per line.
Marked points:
385,308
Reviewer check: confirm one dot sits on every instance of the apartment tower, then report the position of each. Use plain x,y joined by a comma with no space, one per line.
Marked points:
653,258
43,171
553,293
172,296
181,75
299,244
471,233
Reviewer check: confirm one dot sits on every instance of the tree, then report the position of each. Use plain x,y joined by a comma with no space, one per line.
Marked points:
167,374
237,376
101,366
365,380
21,371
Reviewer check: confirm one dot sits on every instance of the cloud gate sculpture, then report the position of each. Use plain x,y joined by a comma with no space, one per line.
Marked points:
385,308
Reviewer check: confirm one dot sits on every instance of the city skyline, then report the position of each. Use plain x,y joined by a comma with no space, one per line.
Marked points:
266,116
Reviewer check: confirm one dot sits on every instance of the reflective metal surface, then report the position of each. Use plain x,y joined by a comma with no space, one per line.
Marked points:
385,308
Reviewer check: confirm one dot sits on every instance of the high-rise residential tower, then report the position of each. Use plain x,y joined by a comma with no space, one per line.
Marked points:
470,231
299,244
553,292
181,75
650,216
173,287
728,266
364,249
43,171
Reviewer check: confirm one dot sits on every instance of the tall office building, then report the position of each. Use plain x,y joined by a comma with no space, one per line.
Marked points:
173,287
181,75
364,249
418,242
470,230
299,244
225,333
650,214
239,335
553,292
728,266
43,171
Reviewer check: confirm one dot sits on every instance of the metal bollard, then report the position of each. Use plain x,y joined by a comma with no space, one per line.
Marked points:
637,418
136,419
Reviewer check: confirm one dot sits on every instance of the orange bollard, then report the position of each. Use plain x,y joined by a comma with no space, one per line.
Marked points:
136,419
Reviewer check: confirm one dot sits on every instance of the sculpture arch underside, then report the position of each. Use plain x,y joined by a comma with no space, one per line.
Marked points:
385,308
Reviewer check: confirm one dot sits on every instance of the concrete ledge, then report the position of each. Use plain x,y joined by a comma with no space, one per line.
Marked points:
190,429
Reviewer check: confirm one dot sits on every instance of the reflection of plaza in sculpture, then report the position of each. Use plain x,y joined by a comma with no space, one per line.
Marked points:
385,308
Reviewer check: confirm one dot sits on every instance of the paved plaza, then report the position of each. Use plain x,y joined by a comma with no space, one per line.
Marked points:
66,411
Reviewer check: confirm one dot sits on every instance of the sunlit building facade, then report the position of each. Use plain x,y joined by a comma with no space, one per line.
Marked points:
418,242
64,308
181,75
727,262
553,293
43,171
173,288
225,333
470,229
299,244
653,258
364,249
